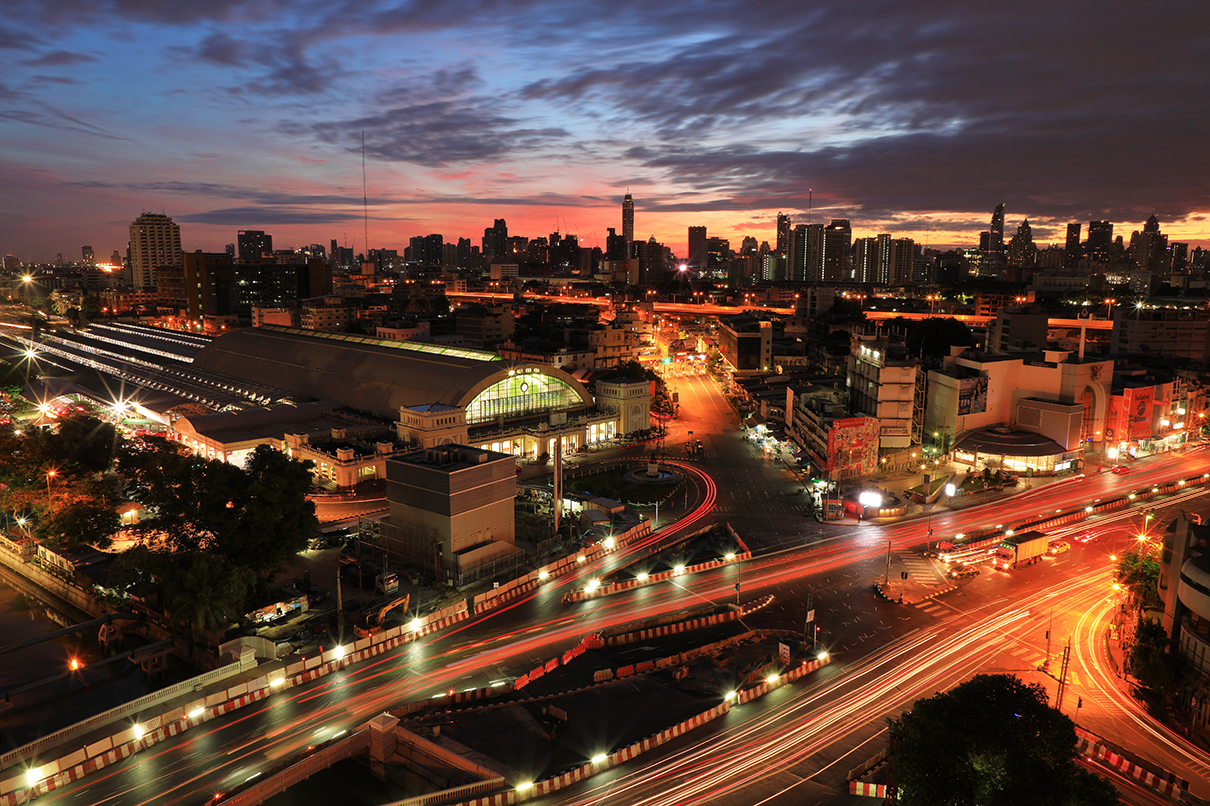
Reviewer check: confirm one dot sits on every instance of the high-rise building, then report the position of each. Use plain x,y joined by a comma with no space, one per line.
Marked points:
89,257
1100,242
495,240
1149,248
1021,250
783,236
1071,249
885,260
427,250
834,252
697,248
254,244
997,228
805,248
154,241
628,218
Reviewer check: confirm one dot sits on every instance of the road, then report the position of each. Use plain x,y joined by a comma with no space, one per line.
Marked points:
835,563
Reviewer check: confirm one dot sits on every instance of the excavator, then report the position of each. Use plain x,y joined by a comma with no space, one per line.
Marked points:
374,620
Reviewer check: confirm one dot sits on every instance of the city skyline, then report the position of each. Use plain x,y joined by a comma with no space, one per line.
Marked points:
250,115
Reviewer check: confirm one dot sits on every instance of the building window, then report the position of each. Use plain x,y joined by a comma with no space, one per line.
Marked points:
521,394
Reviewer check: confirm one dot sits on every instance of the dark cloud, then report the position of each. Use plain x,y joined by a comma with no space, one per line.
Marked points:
258,196
59,58
439,133
243,217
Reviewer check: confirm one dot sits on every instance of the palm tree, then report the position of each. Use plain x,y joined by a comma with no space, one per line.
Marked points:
206,597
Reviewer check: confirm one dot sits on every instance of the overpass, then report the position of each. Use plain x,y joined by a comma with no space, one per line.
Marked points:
710,309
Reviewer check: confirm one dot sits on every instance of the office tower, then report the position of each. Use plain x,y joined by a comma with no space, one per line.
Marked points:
427,250
697,246
870,257
1021,250
628,218
884,260
1149,248
653,262
116,258
783,236
834,252
748,246
464,252
1071,248
616,246
997,228
254,244
804,248
495,240
154,241
1100,242
89,257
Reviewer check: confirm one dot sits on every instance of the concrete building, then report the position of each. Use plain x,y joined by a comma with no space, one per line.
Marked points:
1184,587
329,313
888,384
977,393
1018,329
451,510
155,241
485,326
746,343
837,446
1172,334
341,459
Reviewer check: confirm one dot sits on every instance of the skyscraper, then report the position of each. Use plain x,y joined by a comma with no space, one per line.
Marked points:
1071,248
254,244
495,240
697,247
834,251
804,247
783,235
1100,242
628,220
89,257
154,241
997,229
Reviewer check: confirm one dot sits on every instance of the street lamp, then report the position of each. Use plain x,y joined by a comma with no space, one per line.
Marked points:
50,474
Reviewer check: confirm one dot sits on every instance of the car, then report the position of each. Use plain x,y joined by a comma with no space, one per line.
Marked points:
1119,470
1059,546
964,571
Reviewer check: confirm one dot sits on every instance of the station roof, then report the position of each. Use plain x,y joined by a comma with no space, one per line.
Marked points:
1009,443
361,372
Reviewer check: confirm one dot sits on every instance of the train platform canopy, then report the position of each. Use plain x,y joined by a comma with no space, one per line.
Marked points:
232,432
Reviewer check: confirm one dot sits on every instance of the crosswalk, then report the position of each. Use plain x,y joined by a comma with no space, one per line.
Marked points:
920,568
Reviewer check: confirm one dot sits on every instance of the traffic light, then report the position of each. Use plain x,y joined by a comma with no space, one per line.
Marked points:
903,574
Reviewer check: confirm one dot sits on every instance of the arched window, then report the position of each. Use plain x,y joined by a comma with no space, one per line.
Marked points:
523,393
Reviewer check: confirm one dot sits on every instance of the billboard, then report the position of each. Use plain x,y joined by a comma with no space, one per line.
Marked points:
1138,405
972,395
853,447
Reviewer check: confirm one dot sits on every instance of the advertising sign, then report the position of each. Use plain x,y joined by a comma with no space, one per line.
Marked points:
853,447
972,395
1138,411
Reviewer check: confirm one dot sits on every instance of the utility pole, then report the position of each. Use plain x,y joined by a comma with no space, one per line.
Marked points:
1063,676
886,580
340,608
1049,630
806,625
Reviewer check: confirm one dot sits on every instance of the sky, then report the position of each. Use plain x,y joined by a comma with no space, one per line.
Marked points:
915,117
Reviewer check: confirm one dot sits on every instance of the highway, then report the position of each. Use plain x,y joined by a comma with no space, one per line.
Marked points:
901,651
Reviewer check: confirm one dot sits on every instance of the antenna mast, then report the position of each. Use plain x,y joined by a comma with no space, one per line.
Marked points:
365,203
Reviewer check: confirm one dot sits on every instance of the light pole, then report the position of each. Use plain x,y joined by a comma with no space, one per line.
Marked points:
50,474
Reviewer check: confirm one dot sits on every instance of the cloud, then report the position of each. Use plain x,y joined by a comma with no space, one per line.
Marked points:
439,133
244,217
59,58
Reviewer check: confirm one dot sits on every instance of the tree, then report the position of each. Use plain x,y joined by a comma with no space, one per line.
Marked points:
206,594
79,520
995,741
90,444
277,521
1152,662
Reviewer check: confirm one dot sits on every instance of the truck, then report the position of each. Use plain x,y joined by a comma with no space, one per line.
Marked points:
1026,548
